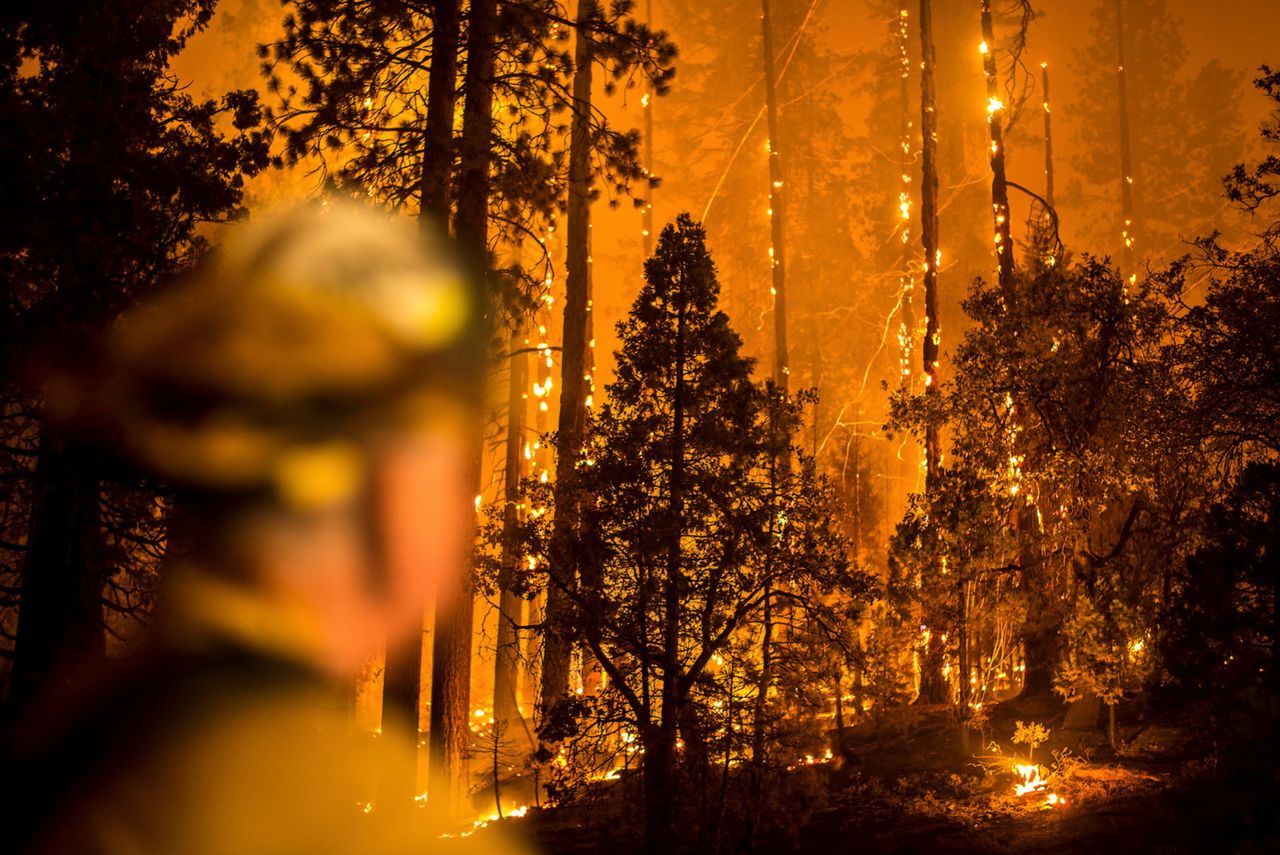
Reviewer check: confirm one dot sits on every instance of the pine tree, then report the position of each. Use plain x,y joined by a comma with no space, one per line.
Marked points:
688,523
119,167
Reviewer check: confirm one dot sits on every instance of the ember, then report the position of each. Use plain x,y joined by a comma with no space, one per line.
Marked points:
699,420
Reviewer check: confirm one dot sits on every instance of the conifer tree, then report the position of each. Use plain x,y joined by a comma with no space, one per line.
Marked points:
119,167
688,523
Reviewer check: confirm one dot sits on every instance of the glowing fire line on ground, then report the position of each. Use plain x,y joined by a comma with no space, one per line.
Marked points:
478,824
1033,782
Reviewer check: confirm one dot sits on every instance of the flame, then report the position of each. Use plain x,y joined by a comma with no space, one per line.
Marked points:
1031,780
1034,782
478,824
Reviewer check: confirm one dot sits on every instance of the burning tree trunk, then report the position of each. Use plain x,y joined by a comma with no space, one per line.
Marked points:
777,254
574,383
999,181
1003,238
61,619
781,375
908,456
1126,151
451,649
933,688
1039,635
1048,136
506,712
402,676
646,103
929,228
543,365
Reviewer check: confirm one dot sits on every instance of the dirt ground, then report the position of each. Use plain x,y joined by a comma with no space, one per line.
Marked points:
1187,779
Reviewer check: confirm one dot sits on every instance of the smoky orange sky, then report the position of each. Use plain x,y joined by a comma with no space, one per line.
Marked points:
1240,34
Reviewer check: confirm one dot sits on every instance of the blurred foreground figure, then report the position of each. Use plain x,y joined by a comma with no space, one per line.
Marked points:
312,396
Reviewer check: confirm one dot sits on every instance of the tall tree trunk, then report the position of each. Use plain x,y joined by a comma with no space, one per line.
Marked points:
449,730
659,777
777,251
859,523
964,688
781,361
1039,639
402,675
759,742
908,455
536,609
60,622
837,680
574,373
1126,150
1048,135
451,648
506,712
1040,644
929,227
659,819
999,182
760,722
442,85
933,688
647,104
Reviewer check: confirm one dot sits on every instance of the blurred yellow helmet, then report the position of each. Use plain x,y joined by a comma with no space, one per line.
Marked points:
274,362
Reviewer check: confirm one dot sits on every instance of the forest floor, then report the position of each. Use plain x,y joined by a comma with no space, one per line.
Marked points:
1191,778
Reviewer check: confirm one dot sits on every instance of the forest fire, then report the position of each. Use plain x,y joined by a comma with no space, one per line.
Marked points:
1031,782
486,821
413,413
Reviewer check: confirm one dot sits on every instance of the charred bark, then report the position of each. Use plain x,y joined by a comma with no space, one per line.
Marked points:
933,688
1048,136
442,85
60,624
574,382
506,711
451,647
402,675
929,228
999,180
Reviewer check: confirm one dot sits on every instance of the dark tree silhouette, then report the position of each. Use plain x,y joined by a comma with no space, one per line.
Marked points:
689,522
119,166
